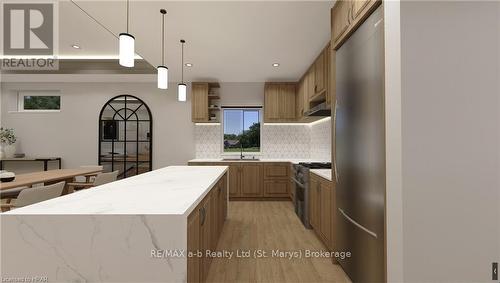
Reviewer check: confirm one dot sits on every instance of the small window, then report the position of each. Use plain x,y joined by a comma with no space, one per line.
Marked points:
39,101
241,130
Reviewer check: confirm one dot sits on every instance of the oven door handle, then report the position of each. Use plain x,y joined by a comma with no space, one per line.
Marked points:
298,183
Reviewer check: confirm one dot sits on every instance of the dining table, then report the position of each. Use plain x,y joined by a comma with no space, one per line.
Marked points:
48,177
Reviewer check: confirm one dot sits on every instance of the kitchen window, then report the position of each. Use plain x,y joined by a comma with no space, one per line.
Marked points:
241,132
39,101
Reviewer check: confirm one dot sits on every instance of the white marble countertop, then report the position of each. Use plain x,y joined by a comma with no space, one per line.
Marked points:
291,160
325,173
174,190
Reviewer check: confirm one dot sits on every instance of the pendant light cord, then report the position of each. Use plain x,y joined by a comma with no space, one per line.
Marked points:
163,39
127,14
182,63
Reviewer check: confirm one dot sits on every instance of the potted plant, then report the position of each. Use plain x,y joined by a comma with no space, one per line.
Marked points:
7,143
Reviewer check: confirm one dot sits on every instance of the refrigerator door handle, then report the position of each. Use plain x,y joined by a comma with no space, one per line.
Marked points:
357,224
335,152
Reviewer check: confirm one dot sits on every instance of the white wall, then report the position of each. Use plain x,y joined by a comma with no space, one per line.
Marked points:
73,133
450,133
242,94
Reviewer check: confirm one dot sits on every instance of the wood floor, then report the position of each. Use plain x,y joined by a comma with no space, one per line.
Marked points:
270,225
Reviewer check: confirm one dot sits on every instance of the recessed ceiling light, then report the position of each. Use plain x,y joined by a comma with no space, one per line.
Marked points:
276,64
188,65
75,46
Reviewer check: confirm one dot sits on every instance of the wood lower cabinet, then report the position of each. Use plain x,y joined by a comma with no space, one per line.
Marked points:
276,188
194,246
277,179
255,180
251,180
322,208
234,180
314,205
325,211
204,227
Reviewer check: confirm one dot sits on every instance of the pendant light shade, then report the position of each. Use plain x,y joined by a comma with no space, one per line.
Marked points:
162,70
127,46
181,92
127,43
162,77
181,88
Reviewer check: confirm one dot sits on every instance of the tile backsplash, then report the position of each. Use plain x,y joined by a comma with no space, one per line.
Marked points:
321,140
308,141
286,141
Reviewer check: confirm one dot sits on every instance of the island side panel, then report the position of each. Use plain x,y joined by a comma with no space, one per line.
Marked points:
94,248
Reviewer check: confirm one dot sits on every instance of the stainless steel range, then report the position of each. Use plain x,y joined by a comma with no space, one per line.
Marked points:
301,184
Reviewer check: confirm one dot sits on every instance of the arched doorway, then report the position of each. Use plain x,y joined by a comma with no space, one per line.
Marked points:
125,136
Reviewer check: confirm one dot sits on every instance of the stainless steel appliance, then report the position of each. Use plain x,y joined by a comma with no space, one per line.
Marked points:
322,109
359,162
301,187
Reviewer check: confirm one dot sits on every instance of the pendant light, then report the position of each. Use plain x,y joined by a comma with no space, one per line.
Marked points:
162,69
127,42
181,88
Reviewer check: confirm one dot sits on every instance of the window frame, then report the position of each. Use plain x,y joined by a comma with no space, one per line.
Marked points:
257,108
22,94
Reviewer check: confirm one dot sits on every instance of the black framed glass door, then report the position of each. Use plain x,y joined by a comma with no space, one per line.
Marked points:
125,136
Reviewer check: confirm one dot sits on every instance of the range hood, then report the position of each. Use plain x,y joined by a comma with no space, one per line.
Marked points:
321,110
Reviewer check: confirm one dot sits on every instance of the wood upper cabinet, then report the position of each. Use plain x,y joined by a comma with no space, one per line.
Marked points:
328,73
199,102
341,19
320,73
347,15
234,180
299,99
358,7
251,180
279,102
287,102
311,84
271,102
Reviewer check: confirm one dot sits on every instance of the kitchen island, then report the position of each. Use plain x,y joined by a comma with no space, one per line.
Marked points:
133,230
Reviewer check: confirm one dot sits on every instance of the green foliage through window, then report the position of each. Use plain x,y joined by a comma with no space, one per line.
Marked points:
241,130
42,102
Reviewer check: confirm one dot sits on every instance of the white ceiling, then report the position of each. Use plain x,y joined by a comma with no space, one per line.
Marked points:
226,41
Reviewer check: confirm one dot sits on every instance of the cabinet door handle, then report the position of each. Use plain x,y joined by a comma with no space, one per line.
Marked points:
334,134
203,214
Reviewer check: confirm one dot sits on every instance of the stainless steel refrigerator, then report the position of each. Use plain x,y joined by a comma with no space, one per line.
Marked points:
359,159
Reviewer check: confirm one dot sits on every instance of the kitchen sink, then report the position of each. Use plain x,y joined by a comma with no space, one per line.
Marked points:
238,159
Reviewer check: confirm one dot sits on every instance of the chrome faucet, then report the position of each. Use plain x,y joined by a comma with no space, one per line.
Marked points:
241,151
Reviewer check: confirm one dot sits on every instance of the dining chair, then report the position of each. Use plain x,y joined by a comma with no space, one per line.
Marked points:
34,195
91,176
11,193
100,179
